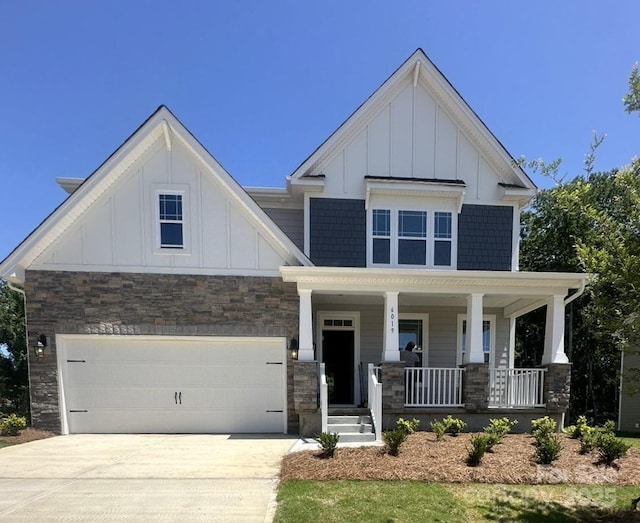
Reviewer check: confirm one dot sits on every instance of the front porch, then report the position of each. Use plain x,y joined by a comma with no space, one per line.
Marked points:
357,321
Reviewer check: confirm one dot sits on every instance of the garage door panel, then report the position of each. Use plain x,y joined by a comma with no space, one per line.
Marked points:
130,384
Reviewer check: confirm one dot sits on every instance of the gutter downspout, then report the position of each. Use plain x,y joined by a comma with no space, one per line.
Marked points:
620,390
26,340
575,295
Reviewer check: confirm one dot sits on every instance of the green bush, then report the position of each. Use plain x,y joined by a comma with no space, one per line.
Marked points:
588,440
12,425
393,439
409,427
453,426
439,429
479,445
543,427
328,443
611,448
547,448
499,428
609,427
581,427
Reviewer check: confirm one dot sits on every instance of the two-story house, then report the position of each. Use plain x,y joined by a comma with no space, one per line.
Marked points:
164,297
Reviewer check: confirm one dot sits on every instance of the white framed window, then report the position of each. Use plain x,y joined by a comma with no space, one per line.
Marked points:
415,328
381,230
488,338
412,238
171,217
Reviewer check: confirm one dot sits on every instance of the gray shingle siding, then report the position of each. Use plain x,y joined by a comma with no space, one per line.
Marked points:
338,232
291,221
485,235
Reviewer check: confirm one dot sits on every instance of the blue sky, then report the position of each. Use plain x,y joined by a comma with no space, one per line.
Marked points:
262,83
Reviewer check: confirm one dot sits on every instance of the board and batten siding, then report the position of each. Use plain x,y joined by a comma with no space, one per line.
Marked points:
291,221
119,231
410,135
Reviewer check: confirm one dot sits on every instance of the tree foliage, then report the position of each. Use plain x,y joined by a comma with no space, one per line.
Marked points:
631,100
590,224
14,381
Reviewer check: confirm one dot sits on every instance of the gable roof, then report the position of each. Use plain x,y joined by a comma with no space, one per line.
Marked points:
421,68
161,124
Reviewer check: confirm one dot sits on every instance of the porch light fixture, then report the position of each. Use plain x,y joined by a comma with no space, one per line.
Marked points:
293,349
38,347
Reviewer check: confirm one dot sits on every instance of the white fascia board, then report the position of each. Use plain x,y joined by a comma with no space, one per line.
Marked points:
432,281
417,188
516,194
89,191
236,191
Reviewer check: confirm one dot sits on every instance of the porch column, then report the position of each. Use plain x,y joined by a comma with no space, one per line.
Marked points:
473,351
390,350
305,347
554,332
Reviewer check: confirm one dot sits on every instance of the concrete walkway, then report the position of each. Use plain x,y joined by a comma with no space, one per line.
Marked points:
142,478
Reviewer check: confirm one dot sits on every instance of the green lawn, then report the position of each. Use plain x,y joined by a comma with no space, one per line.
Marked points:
398,501
4,444
631,438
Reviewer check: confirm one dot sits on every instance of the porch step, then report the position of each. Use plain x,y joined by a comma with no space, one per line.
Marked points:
352,428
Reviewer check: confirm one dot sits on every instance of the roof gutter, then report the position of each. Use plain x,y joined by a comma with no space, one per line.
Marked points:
575,295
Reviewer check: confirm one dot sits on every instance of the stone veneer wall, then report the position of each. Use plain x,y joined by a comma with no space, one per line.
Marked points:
61,302
475,387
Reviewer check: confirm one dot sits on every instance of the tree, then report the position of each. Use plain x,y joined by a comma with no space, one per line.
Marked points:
559,223
631,100
14,377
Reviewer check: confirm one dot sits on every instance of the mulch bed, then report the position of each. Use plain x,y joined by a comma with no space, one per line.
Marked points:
28,434
422,458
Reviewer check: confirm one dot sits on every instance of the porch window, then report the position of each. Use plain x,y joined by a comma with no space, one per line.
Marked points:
488,337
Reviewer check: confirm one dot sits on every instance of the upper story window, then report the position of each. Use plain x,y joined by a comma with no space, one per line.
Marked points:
171,221
381,235
416,238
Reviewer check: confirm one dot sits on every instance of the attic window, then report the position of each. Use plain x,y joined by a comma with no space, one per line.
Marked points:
171,221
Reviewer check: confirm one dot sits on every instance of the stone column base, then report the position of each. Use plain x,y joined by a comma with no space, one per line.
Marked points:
475,387
557,387
392,386
305,386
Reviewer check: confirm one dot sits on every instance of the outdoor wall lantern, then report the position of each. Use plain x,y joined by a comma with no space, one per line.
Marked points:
40,344
293,349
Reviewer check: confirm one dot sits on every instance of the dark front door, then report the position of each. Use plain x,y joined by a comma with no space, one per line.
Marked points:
337,355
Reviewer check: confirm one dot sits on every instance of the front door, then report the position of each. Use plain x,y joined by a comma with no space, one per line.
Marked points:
338,357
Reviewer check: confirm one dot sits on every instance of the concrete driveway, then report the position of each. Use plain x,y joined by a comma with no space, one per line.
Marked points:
142,478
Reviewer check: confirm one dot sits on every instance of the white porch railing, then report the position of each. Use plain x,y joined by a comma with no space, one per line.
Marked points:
324,398
433,387
516,387
375,399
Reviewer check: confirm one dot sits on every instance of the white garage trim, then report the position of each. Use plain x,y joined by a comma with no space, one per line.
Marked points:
114,383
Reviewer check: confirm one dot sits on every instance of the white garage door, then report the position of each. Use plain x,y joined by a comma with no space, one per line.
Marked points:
157,384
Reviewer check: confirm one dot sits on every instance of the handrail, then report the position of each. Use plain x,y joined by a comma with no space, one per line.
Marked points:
433,387
324,398
516,387
375,400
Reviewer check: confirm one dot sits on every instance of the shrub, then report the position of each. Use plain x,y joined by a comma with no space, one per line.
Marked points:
543,427
609,427
479,445
499,428
328,443
611,448
588,440
453,426
393,440
409,427
547,448
581,427
439,428
12,425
